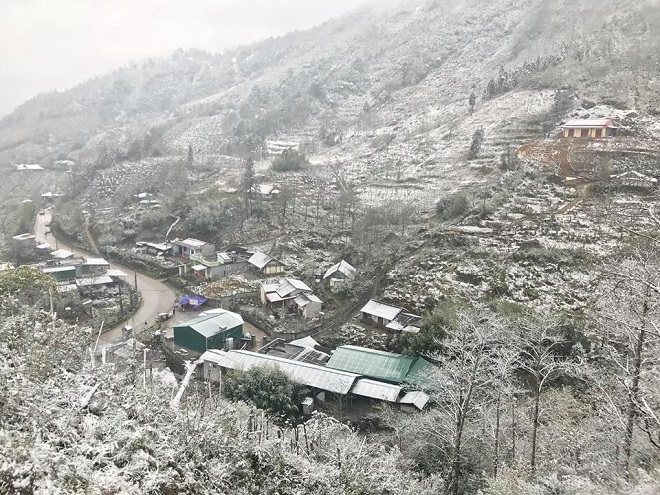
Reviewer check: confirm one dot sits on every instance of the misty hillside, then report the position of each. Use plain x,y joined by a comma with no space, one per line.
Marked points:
405,70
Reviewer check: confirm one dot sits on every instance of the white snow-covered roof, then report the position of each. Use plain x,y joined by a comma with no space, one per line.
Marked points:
342,267
96,262
587,123
376,390
237,319
45,245
381,310
303,299
418,398
199,268
305,342
259,259
116,273
102,280
267,189
61,254
24,166
24,237
312,375
290,285
157,246
193,243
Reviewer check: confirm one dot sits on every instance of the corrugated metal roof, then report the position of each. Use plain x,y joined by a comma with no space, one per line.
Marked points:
56,269
376,390
259,259
102,280
375,364
61,254
341,267
339,382
96,262
116,273
418,398
209,324
381,310
588,123
193,243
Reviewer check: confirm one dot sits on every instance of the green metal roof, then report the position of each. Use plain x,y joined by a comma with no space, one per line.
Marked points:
381,365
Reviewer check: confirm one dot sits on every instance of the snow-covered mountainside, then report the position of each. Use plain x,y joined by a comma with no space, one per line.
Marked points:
383,93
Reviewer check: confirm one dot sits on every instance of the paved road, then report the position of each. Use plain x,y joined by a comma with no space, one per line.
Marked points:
156,296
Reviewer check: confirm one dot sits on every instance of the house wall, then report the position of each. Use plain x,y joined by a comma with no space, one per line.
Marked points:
273,268
187,337
218,340
312,309
222,271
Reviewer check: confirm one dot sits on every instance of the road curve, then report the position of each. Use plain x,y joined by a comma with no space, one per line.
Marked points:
156,296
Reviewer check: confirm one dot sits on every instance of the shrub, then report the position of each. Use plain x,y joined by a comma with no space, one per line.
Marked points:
455,206
289,161
266,387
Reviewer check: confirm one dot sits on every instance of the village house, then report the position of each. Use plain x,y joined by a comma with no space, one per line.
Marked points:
266,192
588,128
275,295
188,248
390,317
294,294
276,148
146,199
266,264
339,273
214,329
26,240
21,167
157,248
222,266
308,305
93,267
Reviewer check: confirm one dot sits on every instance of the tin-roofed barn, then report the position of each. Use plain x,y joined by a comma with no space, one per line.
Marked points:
379,365
379,313
210,330
339,273
593,128
266,264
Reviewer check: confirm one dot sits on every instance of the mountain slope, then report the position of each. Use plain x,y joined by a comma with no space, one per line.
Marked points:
381,94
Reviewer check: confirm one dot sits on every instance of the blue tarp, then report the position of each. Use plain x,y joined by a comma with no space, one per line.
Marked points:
193,301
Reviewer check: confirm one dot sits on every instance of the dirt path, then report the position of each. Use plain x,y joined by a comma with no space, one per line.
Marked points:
156,296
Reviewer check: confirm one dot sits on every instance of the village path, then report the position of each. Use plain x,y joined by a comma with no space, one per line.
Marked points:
156,296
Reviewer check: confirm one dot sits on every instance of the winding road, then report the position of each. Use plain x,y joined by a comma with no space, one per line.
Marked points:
156,296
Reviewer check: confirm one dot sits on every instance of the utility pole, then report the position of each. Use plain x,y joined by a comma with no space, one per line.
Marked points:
121,303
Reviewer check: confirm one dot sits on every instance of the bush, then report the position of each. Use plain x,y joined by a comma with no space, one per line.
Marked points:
455,206
267,388
289,161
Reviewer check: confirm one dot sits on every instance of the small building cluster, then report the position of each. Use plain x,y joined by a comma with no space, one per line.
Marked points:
293,294
350,372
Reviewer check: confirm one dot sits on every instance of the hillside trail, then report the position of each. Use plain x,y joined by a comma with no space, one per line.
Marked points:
90,239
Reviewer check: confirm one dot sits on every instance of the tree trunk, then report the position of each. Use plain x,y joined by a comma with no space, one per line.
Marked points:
631,408
535,427
496,453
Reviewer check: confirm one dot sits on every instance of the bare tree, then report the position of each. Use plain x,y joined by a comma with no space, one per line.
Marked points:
542,360
629,306
466,379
